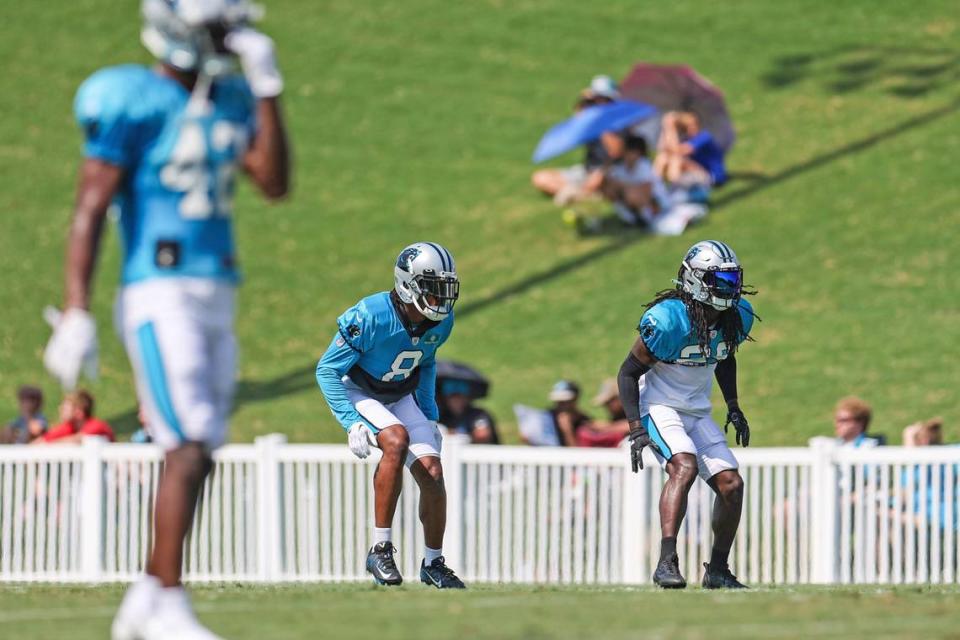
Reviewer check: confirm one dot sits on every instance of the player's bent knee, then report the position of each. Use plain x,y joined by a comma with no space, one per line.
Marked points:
683,467
394,441
729,484
431,478
434,468
190,461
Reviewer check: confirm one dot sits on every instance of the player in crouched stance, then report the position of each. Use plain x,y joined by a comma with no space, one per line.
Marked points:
379,378
689,335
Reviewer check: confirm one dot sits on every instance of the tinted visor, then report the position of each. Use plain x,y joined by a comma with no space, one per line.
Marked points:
440,293
724,284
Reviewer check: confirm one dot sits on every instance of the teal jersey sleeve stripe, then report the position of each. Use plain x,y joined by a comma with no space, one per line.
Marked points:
156,376
654,432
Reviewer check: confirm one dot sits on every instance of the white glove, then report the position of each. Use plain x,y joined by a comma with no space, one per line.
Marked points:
359,437
72,346
258,59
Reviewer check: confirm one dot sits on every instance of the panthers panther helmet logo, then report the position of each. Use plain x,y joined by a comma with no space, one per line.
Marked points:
405,258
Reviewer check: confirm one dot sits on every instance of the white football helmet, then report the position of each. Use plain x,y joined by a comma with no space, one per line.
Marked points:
426,276
711,274
188,34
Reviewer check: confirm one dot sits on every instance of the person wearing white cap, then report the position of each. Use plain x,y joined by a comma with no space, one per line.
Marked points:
605,87
567,416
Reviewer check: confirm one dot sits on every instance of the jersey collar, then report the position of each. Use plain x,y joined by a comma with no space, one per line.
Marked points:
415,331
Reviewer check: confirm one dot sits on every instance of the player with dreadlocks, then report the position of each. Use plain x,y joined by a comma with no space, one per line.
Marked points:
689,335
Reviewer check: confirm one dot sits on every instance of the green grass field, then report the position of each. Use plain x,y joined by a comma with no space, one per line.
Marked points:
417,119
532,613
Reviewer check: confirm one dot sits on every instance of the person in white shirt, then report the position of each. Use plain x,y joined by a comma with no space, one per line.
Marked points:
631,185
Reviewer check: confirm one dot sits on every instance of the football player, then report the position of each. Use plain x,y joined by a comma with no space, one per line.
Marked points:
688,336
163,144
379,377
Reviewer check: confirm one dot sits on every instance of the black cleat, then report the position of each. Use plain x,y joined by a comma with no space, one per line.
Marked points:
381,565
668,573
438,574
720,578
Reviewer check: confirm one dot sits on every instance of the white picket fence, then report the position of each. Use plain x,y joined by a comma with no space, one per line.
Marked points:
274,511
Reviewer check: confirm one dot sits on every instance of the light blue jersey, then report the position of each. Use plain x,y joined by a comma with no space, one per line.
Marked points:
379,352
671,338
175,200
683,375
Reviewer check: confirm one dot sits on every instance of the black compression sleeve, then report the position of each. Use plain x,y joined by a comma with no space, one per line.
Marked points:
726,375
628,380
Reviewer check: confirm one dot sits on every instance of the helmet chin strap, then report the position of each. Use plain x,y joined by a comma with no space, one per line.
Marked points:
199,103
428,313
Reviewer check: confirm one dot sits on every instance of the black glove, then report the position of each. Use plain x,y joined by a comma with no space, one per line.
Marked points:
639,438
740,426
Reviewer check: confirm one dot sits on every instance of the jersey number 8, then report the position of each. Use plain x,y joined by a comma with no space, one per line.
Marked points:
403,365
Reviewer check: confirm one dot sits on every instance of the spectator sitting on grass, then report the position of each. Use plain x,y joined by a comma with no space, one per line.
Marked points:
30,424
636,192
688,156
583,180
850,420
605,433
567,417
458,414
76,415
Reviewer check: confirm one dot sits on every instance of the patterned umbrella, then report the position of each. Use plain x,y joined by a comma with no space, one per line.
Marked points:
680,88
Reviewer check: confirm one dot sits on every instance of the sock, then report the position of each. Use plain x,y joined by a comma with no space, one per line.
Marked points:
668,546
141,595
172,598
382,535
718,559
429,555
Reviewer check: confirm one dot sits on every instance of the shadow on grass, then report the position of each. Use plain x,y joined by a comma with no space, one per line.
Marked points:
302,378
904,72
726,197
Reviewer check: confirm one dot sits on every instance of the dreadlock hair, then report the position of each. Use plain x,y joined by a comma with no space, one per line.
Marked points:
729,322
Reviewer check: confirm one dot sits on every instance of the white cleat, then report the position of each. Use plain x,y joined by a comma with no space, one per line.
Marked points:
173,619
138,603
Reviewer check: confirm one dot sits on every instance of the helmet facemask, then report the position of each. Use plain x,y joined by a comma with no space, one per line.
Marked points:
190,37
719,288
434,295
425,276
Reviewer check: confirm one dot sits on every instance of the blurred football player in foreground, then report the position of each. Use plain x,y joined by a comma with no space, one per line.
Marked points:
163,144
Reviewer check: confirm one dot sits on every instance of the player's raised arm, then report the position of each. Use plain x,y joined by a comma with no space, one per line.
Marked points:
267,162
